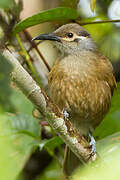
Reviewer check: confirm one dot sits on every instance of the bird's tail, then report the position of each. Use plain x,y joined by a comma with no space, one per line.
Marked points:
71,162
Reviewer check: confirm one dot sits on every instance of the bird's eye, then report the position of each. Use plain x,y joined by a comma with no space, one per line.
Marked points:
70,35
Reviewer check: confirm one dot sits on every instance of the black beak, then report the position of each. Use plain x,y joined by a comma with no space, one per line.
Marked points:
51,37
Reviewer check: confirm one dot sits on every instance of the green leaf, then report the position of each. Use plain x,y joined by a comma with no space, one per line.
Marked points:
51,143
92,5
25,124
5,90
21,103
6,3
57,14
111,122
11,100
108,145
108,166
15,149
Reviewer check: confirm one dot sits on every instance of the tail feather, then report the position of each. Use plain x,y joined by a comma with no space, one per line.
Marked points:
71,162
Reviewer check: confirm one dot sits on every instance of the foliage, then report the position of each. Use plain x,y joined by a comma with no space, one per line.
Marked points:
56,14
110,151
6,3
51,144
111,122
5,92
21,134
15,149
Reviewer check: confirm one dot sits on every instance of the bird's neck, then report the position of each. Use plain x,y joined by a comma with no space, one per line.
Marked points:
88,45
81,55
82,62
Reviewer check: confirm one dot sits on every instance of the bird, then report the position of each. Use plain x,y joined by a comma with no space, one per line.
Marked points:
81,82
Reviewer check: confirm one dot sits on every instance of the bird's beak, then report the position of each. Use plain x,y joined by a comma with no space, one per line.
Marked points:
51,37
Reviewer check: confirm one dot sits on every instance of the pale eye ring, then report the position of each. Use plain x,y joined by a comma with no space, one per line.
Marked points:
70,35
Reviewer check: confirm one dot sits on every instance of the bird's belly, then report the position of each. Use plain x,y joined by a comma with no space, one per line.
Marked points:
86,100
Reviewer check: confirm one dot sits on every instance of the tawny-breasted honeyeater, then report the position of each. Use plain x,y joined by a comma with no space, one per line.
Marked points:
81,81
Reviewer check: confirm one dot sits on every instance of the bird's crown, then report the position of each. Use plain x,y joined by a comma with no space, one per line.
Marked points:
71,32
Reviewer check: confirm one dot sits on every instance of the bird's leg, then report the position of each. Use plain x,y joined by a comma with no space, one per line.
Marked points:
92,143
65,113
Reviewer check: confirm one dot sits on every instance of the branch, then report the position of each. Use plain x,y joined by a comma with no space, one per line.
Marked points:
97,22
34,45
34,58
49,110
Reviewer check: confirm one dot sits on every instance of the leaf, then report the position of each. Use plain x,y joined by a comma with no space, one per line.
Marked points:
108,166
11,99
92,5
15,149
57,14
24,124
51,143
5,90
20,102
108,145
111,122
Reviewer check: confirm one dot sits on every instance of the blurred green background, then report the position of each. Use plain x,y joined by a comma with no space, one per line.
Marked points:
29,151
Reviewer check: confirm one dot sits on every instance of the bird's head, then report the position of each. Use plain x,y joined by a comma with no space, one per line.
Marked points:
69,38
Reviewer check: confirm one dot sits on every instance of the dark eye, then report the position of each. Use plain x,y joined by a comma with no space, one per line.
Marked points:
70,35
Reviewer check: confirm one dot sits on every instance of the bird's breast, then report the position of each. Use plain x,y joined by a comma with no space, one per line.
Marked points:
73,87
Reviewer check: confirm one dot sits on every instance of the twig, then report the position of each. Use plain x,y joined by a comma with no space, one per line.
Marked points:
97,22
27,58
49,110
34,45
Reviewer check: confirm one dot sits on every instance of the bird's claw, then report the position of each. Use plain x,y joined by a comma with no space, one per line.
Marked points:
92,144
65,113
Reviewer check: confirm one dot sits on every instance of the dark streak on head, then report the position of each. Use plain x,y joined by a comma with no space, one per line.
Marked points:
83,33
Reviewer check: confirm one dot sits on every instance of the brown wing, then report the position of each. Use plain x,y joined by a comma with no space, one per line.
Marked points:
106,71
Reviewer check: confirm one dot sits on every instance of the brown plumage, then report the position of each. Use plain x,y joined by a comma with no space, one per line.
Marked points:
83,86
81,81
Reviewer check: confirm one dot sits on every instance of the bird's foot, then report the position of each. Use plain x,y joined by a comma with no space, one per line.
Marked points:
92,144
65,113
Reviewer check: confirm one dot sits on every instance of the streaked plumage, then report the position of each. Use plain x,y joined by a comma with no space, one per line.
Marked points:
81,81
83,85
